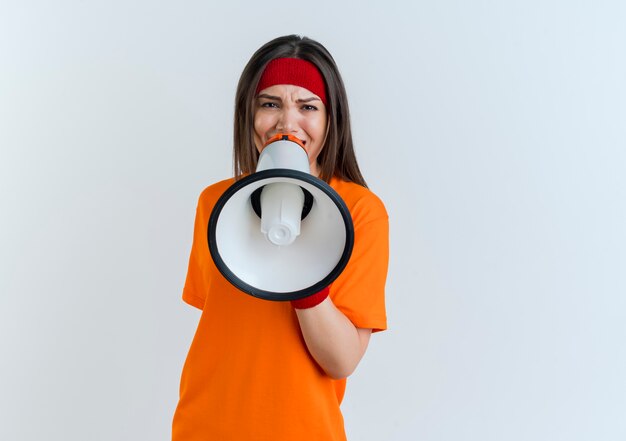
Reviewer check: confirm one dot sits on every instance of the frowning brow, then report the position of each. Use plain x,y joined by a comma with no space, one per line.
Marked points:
269,97
277,98
308,100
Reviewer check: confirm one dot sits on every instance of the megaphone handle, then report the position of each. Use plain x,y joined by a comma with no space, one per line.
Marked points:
255,201
312,300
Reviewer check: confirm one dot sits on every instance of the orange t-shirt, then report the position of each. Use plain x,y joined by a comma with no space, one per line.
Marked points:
248,375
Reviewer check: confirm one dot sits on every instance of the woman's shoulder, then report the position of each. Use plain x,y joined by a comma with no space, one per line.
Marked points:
361,201
215,190
209,196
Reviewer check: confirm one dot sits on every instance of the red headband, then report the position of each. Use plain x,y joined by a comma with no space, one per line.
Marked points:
293,71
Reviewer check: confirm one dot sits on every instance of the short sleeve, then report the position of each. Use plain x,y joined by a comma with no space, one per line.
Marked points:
194,292
359,292
198,281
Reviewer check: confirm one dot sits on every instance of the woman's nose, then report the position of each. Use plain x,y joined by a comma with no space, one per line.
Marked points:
287,122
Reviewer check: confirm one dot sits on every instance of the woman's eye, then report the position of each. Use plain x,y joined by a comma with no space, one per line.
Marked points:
309,107
269,105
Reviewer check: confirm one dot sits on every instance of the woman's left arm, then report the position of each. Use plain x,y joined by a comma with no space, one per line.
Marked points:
333,341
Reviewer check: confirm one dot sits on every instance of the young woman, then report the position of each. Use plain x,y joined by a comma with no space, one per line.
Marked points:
276,371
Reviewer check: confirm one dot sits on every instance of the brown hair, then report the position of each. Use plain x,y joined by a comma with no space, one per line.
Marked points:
337,157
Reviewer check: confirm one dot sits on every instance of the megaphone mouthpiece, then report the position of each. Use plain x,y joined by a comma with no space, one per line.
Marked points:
284,151
284,137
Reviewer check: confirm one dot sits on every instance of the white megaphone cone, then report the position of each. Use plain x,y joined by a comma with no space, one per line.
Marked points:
280,233
282,202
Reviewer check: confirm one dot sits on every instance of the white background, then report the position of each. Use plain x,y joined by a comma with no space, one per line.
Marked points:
493,131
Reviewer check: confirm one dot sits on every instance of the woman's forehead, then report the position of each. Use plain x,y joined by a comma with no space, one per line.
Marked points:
282,91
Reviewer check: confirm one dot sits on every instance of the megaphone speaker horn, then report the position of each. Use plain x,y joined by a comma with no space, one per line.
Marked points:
280,233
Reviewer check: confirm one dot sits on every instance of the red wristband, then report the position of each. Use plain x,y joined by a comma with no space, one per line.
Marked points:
312,300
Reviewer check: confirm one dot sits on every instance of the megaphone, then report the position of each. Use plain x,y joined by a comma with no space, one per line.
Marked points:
280,233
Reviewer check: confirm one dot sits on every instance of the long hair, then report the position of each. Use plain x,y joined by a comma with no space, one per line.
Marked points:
337,156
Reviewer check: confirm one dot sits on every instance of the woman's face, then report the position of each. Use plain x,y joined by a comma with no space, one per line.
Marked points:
292,110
